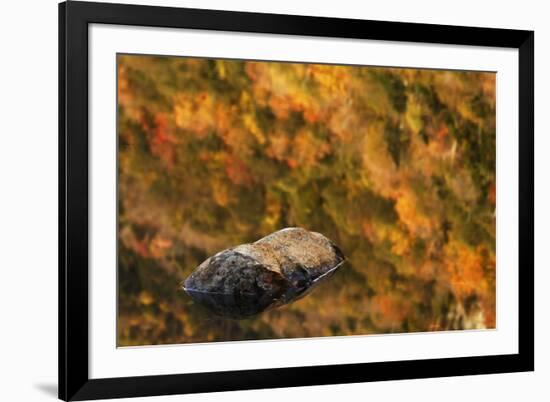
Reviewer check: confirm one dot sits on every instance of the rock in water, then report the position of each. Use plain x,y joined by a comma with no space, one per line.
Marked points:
277,269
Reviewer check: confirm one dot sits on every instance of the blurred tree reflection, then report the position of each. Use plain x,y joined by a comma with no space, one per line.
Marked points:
397,166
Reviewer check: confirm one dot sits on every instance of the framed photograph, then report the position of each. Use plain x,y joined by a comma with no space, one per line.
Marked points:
256,200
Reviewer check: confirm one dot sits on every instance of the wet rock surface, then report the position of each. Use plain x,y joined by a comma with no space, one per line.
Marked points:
280,268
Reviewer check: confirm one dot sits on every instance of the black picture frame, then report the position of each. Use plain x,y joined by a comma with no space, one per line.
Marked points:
74,18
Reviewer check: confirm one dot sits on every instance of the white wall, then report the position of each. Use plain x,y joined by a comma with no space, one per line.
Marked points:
28,198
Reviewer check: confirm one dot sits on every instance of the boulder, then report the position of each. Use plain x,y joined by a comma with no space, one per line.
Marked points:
277,269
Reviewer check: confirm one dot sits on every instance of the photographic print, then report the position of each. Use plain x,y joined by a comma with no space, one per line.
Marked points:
273,200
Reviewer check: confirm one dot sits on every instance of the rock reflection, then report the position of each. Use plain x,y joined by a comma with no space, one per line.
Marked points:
246,305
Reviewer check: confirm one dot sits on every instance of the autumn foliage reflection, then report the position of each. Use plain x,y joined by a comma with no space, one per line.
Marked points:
397,166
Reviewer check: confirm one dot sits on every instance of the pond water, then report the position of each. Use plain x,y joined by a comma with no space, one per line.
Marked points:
395,166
